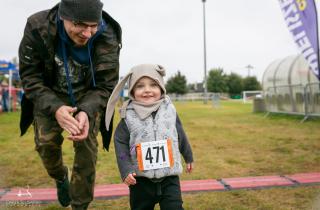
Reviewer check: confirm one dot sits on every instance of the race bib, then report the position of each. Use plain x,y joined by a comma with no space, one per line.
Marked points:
154,155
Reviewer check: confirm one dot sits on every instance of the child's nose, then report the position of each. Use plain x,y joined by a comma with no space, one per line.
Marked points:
148,88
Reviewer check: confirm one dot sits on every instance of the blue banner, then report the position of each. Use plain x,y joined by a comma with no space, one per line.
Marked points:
301,19
6,66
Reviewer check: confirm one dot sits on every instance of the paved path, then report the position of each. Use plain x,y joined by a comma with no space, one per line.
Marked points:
45,195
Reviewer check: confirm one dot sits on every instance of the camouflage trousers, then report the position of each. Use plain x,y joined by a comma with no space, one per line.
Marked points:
49,139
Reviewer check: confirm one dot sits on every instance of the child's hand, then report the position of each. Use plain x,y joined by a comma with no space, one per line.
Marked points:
130,180
189,167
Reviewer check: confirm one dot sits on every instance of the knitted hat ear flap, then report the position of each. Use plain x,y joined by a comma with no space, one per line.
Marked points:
114,98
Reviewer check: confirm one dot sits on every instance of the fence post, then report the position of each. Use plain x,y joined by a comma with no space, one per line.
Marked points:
305,104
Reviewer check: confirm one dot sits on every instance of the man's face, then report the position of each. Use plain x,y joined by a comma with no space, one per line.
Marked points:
80,32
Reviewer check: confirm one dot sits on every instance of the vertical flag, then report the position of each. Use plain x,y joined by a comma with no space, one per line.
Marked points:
301,19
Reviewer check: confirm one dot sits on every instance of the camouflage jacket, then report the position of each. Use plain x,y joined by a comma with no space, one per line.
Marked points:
37,68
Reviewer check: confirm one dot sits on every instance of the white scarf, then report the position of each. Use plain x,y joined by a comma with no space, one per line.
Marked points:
142,109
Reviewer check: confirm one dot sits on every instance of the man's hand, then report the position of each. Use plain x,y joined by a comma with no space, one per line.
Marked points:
83,120
67,121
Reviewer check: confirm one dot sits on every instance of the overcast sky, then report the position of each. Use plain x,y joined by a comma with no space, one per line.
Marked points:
170,33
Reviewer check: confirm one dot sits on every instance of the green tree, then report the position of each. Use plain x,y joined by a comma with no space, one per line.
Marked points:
251,83
235,84
217,81
177,84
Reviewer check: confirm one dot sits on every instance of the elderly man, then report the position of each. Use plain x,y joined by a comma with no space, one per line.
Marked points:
69,65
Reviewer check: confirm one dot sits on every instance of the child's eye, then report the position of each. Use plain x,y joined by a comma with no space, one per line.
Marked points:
139,86
154,85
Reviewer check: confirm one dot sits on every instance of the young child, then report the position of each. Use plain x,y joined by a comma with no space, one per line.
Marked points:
149,140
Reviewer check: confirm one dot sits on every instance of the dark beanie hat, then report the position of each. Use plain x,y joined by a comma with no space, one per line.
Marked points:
81,10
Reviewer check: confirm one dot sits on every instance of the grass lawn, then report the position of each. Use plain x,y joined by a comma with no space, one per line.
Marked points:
228,141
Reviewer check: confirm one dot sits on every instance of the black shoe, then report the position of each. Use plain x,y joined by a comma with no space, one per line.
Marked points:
63,192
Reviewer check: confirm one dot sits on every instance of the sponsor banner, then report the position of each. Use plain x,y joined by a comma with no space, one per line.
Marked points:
301,19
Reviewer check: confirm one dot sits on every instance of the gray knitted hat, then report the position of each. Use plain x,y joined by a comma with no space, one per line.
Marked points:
81,10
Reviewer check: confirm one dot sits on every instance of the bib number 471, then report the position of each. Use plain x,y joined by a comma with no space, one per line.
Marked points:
149,155
154,155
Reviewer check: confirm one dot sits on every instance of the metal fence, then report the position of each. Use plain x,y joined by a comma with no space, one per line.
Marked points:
294,99
197,96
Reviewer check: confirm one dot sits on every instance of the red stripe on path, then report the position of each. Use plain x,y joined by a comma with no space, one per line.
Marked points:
256,182
111,190
116,190
201,185
306,178
25,194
